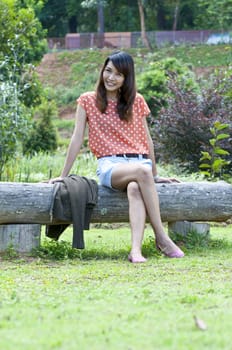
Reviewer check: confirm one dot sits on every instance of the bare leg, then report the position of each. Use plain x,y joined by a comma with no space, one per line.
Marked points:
125,173
137,214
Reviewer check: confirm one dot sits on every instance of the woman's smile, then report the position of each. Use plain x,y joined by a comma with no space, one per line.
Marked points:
112,78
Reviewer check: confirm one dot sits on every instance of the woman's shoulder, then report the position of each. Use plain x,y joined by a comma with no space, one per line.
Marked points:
141,105
139,98
87,98
88,95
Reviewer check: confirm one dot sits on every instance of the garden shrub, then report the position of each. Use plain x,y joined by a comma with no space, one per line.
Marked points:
153,83
22,45
182,129
14,121
43,135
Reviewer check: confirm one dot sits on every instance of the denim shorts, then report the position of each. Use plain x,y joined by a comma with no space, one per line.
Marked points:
106,165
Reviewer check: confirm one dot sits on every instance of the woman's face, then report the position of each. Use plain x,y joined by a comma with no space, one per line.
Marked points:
112,78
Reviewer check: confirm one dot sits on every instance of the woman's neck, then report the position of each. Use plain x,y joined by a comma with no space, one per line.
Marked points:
112,96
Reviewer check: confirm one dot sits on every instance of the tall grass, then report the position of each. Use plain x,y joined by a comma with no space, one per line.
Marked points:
42,167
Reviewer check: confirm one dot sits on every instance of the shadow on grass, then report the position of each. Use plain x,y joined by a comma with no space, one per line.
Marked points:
61,250
191,244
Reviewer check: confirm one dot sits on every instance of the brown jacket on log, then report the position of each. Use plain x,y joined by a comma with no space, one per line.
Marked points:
74,199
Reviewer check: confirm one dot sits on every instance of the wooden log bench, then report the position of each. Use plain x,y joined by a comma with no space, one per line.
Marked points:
30,204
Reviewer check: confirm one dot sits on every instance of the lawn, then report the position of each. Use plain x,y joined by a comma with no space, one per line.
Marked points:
101,301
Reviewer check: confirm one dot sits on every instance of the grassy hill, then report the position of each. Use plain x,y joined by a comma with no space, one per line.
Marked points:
66,74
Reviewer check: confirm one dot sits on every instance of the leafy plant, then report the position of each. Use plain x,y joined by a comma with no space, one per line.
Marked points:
20,27
191,240
10,253
153,82
43,136
56,250
182,129
14,118
213,162
22,45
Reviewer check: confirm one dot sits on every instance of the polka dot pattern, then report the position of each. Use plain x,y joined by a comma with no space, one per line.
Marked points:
108,134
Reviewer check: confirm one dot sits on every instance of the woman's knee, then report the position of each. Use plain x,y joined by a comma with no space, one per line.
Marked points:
133,190
144,173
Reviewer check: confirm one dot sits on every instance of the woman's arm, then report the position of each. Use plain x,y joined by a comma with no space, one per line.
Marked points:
152,157
75,142
151,149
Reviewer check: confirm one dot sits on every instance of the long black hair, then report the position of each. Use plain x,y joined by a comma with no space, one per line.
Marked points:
124,64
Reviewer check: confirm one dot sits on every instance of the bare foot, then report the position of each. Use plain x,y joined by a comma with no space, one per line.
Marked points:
136,258
168,247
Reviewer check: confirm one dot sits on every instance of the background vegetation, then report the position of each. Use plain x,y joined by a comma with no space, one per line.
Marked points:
60,298
60,17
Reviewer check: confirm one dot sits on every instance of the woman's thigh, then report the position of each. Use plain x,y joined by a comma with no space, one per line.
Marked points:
117,172
125,173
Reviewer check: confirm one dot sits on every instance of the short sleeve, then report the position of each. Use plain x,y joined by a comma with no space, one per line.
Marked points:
143,106
82,100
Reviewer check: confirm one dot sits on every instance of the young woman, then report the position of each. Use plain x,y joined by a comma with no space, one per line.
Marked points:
120,139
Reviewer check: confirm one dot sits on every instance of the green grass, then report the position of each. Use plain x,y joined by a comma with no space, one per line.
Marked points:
41,167
200,55
100,301
82,67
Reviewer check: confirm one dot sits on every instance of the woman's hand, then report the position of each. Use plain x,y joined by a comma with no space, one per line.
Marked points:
55,179
161,179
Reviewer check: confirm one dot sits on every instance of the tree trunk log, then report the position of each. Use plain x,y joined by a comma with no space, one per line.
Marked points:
22,238
199,201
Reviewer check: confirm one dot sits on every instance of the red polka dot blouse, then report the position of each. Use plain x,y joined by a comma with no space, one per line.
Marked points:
108,134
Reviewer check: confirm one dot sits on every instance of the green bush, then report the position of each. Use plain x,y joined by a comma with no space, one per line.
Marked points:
21,29
22,45
43,135
14,118
182,129
153,83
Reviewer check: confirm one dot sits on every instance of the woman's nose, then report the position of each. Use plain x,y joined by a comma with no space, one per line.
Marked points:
112,76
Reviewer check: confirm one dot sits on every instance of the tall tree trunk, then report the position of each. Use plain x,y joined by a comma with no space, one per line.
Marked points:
100,16
160,17
144,37
72,24
176,13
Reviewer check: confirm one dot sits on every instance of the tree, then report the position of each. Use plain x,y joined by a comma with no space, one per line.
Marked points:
21,46
142,23
176,14
211,9
99,5
54,17
20,27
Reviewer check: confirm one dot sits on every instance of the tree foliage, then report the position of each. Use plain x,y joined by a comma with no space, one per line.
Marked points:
181,130
42,136
20,27
60,17
22,45
215,9
153,82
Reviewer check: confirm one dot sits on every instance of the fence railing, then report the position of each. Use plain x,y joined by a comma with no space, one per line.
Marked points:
133,39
